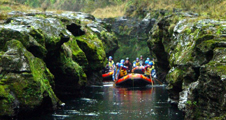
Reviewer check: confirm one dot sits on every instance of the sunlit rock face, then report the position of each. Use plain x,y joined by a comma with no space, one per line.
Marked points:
191,52
45,55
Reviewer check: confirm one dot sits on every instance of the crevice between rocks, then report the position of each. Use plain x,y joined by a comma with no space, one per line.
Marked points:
197,72
209,55
75,29
162,57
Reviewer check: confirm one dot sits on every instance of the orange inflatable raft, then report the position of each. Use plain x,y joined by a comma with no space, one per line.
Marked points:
138,69
108,76
134,80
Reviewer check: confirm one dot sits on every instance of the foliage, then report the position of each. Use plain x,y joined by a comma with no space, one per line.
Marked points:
194,103
208,8
115,8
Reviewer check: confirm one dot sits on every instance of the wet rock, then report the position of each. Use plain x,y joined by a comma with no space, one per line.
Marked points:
16,13
25,80
96,29
190,50
132,35
185,97
46,53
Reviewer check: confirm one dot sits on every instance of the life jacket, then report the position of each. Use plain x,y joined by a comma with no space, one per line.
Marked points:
153,66
122,72
137,63
147,71
110,64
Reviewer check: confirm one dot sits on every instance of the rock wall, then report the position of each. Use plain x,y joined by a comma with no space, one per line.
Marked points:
45,55
132,36
191,52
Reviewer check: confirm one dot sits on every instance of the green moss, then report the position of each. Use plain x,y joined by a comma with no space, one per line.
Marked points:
94,50
175,77
77,54
171,28
40,15
208,45
204,37
27,86
38,35
109,40
3,93
9,34
187,30
216,67
222,117
6,101
72,67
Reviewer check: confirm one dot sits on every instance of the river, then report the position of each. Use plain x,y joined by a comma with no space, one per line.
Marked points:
108,102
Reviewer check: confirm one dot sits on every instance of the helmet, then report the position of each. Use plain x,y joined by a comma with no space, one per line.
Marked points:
122,61
137,58
127,58
148,58
117,64
146,62
120,65
150,63
110,57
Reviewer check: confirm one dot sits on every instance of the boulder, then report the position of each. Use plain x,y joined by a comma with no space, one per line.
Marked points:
25,81
44,55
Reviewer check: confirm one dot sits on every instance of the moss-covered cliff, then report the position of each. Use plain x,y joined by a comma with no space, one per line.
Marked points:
190,50
46,55
132,36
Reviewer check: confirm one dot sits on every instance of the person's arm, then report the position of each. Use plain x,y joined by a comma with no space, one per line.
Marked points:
113,66
114,73
134,64
153,73
150,75
117,75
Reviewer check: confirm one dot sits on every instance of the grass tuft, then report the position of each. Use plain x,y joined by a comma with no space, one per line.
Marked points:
109,11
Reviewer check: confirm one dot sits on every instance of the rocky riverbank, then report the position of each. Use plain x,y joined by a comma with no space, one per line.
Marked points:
45,55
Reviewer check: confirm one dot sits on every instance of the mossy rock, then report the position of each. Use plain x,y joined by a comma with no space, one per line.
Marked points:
73,50
110,42
13,32
26,85
38,35
175,77
94,50
71,67
68,73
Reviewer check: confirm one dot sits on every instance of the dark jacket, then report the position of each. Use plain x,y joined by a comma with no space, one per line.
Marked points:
129,65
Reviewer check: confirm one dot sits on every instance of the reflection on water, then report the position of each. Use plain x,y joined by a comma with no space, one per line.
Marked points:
111,103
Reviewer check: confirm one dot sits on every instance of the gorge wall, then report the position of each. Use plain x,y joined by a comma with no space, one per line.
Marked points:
191,51
132,34
44,56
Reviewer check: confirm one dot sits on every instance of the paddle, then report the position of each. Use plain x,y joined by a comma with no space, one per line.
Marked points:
158,81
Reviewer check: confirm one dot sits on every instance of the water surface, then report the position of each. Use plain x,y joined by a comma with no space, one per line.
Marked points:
108,102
